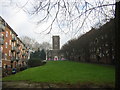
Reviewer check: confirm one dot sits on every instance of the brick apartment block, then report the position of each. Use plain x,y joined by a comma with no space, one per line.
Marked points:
13,51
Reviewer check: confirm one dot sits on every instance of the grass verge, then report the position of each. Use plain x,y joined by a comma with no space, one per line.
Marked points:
67,72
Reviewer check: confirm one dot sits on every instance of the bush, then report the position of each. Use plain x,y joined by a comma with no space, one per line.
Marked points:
34,62
6,72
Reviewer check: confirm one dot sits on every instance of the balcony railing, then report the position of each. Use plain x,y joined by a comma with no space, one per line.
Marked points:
13,59
14,38
24,48
18,51
24,54
13,49
27,51
1,41
17,59
18,44
2,28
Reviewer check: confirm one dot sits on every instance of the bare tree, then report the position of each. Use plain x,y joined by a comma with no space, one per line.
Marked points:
34,44
74,15
29,42
45,46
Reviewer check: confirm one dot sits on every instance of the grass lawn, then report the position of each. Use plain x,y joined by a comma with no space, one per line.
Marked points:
67,72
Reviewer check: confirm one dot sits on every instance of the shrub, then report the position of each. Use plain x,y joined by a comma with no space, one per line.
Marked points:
34,62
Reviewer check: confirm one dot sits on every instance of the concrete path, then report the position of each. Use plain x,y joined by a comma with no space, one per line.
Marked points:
31,85
22,84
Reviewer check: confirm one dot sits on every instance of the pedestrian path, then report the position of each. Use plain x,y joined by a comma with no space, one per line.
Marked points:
25,85
28,85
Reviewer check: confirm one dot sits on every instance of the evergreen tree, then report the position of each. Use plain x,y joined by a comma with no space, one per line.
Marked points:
42,54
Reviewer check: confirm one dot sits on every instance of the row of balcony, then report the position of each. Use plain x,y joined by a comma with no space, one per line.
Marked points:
2,42
17,59
14,38
2,28
16,49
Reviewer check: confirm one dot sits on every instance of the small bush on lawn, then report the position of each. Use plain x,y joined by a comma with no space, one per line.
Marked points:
34,62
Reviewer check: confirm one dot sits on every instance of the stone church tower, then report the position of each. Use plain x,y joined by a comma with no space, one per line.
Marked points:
56,42
55,54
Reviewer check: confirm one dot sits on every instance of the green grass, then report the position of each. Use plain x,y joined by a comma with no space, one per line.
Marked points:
66,72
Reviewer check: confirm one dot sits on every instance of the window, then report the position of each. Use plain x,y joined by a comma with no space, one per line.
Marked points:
5,56
1,49
1,36
6,33
10,42
17,41
106,44
10,33
16,57
6,45
102,37
105,35
14,44
9,52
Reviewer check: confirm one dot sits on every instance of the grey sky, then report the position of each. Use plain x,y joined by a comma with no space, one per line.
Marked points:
22,24
25,25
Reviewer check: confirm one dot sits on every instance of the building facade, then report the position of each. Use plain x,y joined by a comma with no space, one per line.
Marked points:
97,45
14,53
55,53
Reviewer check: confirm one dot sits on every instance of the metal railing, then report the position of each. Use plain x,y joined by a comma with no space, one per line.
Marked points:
2,28
1,41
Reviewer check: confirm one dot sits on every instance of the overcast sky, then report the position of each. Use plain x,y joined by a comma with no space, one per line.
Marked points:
22,24
25,25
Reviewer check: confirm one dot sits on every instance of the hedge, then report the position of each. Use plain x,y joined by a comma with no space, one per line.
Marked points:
35,62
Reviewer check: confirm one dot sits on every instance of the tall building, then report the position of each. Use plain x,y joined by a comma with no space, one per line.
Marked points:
56,42
13,51
55,53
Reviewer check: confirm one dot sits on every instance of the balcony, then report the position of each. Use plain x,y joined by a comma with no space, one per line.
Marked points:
13,59
18,44
14,38
1,41
17,59
2,28
27,51
13,49
24,54
23,48
18,51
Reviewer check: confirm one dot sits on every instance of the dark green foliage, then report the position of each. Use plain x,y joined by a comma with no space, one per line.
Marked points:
42,54
36,58
36,54
34,62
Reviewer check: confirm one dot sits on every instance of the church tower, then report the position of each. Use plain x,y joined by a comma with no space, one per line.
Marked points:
56,42
55,54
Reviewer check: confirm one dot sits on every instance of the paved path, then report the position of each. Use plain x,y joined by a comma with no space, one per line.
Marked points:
22,84
31,85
